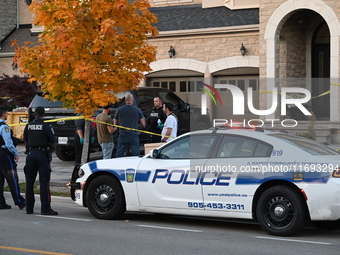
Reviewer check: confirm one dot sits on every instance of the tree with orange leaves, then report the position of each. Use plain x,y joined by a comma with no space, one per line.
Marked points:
89,50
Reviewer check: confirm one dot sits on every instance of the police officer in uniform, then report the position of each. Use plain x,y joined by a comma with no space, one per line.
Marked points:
8,167
40,142
156,120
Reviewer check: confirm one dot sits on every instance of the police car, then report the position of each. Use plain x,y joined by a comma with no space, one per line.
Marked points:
280,180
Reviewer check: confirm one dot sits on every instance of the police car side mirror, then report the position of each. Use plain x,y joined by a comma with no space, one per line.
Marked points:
155,153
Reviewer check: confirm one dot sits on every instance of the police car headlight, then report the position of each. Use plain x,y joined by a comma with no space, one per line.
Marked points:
336,173
81,173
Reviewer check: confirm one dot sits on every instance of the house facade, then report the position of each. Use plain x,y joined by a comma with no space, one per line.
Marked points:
288,43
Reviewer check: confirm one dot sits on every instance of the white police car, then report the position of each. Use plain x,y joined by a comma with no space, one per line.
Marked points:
280,180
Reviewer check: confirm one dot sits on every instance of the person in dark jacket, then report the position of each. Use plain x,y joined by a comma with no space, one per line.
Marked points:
156,120
40,142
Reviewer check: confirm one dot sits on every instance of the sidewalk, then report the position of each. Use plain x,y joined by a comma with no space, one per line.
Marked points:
61,170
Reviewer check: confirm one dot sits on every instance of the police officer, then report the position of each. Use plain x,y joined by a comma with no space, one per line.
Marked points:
40,142
156,120
8,167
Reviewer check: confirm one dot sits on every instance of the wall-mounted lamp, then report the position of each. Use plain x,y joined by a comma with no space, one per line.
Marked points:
28,2
171,52
243,50
14,66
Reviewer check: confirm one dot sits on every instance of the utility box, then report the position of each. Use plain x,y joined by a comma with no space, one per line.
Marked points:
17,122
150,146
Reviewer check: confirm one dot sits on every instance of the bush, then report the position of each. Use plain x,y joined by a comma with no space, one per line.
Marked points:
310,134
16,91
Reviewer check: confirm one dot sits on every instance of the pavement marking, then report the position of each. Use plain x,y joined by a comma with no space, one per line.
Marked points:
32,251
292,240
63,218
168,228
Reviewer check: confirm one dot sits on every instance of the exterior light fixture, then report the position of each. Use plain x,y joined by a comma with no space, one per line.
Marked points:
28,2
171,52
243,50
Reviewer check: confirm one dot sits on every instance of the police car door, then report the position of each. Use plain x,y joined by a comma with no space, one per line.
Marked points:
173,183
233,174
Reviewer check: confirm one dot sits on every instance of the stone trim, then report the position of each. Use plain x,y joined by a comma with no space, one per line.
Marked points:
201,67
179,63
233,62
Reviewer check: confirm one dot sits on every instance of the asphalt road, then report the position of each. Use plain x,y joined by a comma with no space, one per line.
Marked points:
75,231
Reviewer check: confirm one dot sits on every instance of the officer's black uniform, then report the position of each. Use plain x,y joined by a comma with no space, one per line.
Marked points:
155,115
39,137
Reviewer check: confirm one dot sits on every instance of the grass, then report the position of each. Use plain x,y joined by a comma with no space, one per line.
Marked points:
37,190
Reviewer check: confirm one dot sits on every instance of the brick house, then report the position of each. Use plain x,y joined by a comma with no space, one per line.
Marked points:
288,43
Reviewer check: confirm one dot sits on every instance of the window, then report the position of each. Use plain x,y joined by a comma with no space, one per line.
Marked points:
164,84
194,147
183,86
172,98
242,147
145,99
307,145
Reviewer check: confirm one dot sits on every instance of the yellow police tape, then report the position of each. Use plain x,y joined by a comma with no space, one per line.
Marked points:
93,120
147,132
322,94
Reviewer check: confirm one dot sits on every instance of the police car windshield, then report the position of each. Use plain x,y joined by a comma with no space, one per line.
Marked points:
306,145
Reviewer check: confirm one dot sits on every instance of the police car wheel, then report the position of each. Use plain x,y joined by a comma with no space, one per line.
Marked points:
281,211
105,199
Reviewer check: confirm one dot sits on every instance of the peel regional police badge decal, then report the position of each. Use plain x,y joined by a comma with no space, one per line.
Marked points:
130,174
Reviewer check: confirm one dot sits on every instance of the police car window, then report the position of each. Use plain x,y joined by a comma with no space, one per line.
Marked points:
241,147
189,147
176,150
200,145
306,145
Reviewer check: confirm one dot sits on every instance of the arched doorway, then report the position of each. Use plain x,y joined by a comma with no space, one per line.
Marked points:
272,33
303,48
321,72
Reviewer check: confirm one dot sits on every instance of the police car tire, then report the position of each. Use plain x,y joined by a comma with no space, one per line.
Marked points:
105,198
281,211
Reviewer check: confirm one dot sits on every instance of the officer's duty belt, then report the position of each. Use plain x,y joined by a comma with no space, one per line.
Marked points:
37,148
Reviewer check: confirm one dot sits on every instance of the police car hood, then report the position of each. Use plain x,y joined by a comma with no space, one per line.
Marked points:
113,165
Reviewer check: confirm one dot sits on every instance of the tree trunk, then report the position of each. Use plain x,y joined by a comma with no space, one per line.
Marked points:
86,146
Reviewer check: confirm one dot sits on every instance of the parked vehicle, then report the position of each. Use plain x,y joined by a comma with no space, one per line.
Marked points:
188,115
280,180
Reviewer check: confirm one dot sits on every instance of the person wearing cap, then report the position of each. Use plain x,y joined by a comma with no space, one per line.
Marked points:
8,167
40,142
105,132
